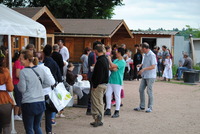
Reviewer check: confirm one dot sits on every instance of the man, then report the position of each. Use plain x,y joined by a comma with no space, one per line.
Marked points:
54,68
99,81
136,47
187,65
115,82
91,63
58,57
65,55
148,73
51,64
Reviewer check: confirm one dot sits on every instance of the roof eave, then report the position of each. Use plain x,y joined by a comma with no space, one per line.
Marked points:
82,35
46,10
117,28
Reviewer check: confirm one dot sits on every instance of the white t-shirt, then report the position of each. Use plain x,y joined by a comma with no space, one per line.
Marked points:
50,77
65,53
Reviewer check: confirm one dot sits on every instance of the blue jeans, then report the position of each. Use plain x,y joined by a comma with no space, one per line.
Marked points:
32,116
180,71
53,115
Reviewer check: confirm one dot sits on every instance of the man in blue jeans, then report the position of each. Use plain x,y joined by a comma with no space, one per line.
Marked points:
187,65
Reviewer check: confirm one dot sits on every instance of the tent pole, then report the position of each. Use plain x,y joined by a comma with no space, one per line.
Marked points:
45,41
13,131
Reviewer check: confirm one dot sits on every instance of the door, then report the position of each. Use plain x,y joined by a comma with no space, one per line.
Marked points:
164,41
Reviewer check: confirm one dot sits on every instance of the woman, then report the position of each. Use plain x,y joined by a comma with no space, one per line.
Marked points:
15,74
6,102
108,50
31,86
47,91
137,59
84,59
115,82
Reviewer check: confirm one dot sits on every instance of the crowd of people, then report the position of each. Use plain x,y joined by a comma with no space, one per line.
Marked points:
34,74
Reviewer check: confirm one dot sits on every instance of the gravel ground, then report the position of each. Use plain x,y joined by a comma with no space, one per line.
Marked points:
176,111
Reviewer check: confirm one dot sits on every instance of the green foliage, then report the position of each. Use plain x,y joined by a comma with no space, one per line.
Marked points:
195,32
197,67
186,32
96,9
174,69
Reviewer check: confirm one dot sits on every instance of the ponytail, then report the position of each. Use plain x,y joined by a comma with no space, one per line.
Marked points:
35,61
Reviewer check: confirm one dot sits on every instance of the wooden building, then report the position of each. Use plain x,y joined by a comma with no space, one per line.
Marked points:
155,38
43,16
81,33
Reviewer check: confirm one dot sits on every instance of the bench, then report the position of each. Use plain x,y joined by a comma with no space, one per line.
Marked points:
191,76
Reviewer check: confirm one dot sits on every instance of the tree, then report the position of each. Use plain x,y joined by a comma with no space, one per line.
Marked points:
188,30
96,9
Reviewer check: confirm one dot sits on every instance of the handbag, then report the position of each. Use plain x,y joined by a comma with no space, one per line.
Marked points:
59,96
49,105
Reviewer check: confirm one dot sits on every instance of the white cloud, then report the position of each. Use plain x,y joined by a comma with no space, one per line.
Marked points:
155,14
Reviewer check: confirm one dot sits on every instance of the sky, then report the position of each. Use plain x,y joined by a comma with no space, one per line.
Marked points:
154,14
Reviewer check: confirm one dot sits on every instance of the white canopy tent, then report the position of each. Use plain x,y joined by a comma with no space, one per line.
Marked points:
14,23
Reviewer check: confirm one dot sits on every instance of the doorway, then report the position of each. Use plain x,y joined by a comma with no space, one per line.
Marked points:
150,41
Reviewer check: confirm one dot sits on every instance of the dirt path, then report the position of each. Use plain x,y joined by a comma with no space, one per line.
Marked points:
176,111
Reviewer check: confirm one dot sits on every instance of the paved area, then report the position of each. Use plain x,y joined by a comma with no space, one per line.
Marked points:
176,111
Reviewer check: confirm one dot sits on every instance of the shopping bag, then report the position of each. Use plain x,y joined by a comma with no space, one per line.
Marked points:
60,97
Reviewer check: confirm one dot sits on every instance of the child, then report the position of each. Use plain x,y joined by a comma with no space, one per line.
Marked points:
70,77
167,74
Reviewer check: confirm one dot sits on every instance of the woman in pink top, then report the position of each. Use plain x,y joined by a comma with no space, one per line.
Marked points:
18,96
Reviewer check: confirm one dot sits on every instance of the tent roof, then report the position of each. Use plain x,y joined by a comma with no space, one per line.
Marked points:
14,23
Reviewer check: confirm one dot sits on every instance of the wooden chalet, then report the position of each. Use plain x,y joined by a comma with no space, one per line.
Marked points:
43,16
81,33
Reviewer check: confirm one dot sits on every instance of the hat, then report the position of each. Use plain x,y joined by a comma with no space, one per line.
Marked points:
185,54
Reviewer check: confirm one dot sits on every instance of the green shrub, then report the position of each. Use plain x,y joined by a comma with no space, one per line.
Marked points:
197,66
174,69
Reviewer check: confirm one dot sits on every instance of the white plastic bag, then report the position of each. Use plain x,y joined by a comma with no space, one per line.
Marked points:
60,96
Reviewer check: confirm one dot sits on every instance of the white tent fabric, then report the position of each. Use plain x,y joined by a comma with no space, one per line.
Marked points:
14,23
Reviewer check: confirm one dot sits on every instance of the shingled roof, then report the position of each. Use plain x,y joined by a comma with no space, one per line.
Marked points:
92,27
28,11
156,32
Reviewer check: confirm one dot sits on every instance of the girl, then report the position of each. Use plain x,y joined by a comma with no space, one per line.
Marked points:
167,74
18,96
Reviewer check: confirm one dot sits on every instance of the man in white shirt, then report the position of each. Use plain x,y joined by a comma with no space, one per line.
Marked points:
65,54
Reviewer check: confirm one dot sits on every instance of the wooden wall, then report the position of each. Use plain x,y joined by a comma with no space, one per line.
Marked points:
76,45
